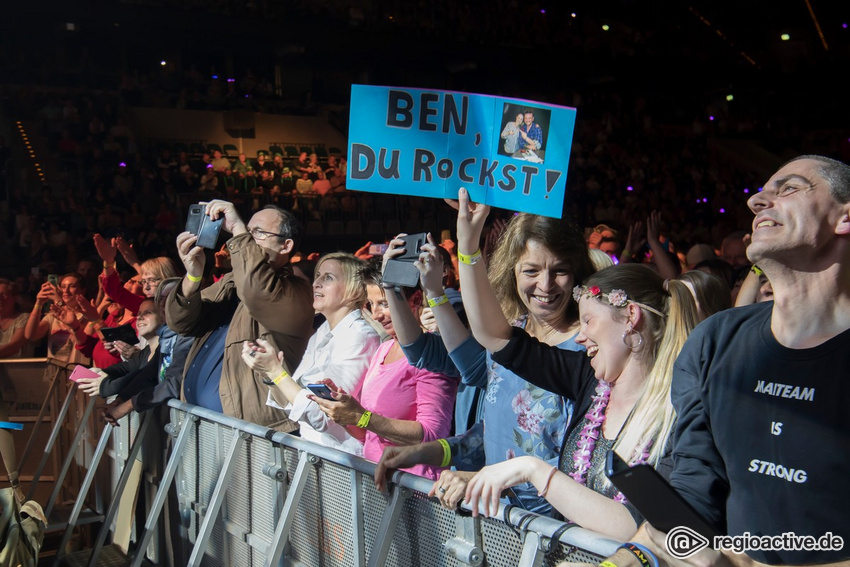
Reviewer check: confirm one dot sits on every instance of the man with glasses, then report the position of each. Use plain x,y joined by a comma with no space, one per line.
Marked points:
260,297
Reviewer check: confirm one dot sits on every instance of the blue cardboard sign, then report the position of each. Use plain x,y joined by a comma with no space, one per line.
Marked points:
508,153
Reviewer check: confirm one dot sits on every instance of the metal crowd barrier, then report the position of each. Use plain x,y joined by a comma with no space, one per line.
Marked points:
250,496
59,438
234,493
63,446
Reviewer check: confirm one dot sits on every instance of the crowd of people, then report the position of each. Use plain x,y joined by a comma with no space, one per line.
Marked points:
656,318
525,355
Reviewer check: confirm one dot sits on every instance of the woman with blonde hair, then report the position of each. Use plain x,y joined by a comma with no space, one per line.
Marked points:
151,272
633,324
340,350
536,263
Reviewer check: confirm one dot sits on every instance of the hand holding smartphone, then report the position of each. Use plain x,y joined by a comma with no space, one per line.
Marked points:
201,225
400,270
321,390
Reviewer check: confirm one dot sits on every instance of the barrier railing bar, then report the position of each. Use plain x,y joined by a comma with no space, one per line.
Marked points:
217,498
54,435
297,443
119,489
162,492
84,490
287,514
358,534
69,458
575,536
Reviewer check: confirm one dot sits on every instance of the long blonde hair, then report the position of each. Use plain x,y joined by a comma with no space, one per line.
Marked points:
653,417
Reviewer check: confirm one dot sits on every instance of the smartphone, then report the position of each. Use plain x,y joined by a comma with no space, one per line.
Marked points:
400,271
321,390
193,220
654,498
209,231
124,333
82,372
53,279
413,246
378,249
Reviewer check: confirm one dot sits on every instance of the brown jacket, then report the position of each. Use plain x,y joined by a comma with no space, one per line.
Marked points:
274,305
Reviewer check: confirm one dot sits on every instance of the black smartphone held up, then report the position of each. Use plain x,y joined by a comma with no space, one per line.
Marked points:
321,390
653,496
400,271
209,231
202,226
124,333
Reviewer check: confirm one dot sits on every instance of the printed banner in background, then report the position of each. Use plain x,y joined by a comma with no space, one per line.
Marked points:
508,153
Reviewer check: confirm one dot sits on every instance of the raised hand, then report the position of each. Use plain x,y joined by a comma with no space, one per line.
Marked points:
470,221
127,251
430,266
395,248
232,221
105,249
191,255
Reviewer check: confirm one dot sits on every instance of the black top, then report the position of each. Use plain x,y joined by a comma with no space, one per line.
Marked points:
761,443
569,374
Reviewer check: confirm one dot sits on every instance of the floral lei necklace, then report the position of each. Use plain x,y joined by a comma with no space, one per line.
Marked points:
594,419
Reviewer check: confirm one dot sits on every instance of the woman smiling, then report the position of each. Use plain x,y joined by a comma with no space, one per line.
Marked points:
633,324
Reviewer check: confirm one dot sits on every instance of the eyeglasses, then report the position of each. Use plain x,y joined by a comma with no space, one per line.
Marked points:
260,234
152,281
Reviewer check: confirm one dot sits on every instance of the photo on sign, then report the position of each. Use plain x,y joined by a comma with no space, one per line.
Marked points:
524,132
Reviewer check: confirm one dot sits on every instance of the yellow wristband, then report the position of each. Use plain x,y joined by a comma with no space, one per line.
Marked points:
276,380
447,452
469,259
192,278
756,270
608,564
439,300
363,422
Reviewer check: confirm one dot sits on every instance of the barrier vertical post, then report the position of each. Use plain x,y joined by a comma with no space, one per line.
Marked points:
287,514
217,498
386,532
119,489
54,435
87,482
69,458
357,533
162,491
